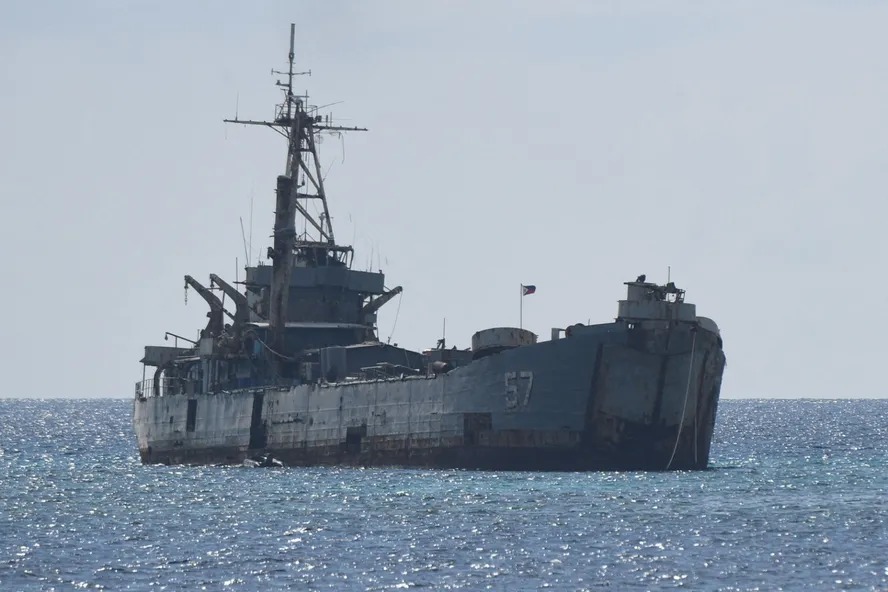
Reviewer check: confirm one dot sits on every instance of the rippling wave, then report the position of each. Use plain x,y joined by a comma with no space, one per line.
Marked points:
796,499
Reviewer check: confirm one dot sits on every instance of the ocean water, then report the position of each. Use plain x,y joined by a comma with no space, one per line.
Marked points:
797,499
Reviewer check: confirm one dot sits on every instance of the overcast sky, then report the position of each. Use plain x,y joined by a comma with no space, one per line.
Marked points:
568,144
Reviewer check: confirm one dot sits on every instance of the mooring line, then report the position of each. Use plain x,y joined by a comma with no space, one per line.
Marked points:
685,406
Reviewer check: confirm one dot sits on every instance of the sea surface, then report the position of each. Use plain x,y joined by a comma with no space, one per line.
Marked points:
796,499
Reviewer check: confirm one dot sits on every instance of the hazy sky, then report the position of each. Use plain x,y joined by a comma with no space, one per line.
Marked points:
568,144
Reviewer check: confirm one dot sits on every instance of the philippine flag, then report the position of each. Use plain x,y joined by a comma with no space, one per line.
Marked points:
525,290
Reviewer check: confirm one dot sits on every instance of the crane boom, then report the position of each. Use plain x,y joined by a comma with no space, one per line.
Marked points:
216,322
242,308
374,305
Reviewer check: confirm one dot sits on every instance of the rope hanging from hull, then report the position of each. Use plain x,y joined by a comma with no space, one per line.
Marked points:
684,407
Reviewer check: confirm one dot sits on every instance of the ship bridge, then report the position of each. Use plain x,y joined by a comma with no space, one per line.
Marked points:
326,294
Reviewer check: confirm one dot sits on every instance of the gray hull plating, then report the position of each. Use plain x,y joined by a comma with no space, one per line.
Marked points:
611,396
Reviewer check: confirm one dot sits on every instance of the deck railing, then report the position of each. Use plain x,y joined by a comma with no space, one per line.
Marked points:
167,386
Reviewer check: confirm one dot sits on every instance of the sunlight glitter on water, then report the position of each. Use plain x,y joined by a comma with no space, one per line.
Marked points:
796,499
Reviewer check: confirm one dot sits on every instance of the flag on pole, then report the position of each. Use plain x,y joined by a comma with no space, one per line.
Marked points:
525,290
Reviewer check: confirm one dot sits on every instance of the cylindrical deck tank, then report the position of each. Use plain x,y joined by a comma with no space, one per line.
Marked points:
490,341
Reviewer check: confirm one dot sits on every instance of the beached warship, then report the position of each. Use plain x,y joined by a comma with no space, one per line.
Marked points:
296,373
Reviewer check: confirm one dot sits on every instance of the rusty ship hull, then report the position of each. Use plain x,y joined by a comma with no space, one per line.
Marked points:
290,368
607,396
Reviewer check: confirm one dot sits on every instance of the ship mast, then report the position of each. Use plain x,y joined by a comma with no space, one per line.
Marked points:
301,183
